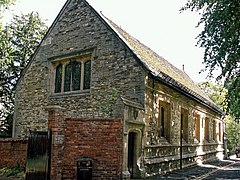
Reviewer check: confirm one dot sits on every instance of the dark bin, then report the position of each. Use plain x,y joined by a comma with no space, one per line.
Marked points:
84,169
237,152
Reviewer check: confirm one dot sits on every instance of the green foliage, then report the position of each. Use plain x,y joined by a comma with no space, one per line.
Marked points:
217,93
233,132
233,97
18,40
221,40
12,172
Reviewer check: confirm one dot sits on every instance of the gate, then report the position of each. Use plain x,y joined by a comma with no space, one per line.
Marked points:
38,155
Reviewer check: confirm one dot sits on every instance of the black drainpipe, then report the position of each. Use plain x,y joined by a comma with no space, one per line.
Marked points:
153,100
181,136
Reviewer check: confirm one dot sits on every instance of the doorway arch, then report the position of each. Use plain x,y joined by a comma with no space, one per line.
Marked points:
133,154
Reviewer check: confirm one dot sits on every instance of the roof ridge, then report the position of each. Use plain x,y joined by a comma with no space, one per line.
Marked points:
181,78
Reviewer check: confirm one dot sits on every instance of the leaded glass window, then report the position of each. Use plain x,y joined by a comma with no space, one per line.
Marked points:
76,75
72,75
58,79
67,78
87,75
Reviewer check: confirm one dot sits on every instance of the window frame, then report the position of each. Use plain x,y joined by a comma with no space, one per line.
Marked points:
184,122
207,129
197,127
64,61
214,134
219,132
164,120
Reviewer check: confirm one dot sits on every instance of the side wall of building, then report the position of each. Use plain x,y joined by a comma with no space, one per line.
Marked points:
202,130
78,31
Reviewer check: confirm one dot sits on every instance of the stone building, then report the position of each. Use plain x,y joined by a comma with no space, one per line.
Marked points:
108,97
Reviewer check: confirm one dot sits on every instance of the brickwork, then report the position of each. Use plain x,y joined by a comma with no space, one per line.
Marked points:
13,152
88,123
113,67
99,139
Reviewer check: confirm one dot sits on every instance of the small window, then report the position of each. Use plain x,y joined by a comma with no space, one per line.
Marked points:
164,120
197,127
207,128
162,133
72,75
219,132
184,124
214,134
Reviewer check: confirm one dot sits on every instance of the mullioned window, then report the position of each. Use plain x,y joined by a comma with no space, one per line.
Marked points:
72,75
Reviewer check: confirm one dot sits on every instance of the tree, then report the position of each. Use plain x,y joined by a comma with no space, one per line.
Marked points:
18,40
221,40
233,133
6,3
218,95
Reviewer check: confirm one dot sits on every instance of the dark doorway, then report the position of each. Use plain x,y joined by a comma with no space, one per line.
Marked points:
38,155
132,153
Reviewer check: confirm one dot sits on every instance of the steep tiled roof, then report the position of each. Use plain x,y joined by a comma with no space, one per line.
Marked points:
161,68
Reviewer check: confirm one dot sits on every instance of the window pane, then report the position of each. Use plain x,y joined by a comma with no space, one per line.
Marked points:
162,133
67,78
76,75
87,75
58,79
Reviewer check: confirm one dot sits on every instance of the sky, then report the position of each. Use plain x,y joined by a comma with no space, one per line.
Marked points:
156,23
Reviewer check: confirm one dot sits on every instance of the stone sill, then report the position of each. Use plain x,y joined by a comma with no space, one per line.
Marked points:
154,159
183,145
70,94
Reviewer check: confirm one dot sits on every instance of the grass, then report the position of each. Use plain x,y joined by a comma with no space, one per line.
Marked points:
13,172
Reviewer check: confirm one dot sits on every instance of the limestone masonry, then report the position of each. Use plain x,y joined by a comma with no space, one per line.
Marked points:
106,96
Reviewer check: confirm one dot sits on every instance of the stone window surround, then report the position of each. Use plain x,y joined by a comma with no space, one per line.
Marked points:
165,106
214,134
197,127
207,130
219,132
81,57
185,128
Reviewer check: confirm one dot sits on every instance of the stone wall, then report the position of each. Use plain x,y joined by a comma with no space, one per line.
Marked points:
161,154
98,139
13,152
78,29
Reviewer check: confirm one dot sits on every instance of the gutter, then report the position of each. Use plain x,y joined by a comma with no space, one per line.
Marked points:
170,82
165,79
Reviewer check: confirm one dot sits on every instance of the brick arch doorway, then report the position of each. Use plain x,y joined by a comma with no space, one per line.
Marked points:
133,154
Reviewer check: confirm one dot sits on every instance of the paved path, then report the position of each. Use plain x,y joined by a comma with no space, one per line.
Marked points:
230,172
214,170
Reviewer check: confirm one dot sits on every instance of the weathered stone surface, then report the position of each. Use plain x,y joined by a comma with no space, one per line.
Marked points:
121,88
77,30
